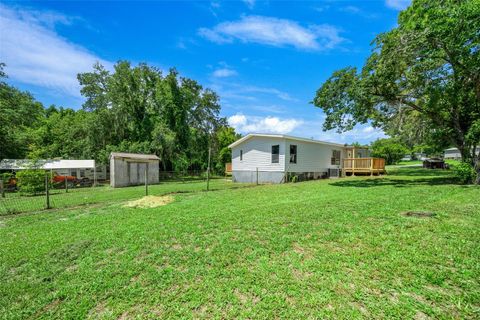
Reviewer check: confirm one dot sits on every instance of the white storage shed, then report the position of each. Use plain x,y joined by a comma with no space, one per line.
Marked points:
129,169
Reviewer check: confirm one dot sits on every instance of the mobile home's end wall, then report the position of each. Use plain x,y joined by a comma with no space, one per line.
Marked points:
312,157
257,155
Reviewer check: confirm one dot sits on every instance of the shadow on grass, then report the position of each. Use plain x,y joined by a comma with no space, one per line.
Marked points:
403,177
419,172
379,182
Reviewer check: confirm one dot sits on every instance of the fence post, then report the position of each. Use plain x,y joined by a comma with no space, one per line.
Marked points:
208,170
66,185
2,190
257,176
146,179
46,191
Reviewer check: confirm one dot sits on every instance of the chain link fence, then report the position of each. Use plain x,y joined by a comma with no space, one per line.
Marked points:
14,201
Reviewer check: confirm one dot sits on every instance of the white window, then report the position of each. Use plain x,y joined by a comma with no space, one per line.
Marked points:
293,153
275,153
335,157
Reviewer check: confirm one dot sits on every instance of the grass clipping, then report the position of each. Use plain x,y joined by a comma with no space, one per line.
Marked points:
150,202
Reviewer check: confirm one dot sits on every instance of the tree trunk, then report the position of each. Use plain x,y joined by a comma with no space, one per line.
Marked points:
476,161
466,153
477,170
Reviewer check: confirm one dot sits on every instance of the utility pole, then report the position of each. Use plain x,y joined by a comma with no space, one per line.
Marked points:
146,179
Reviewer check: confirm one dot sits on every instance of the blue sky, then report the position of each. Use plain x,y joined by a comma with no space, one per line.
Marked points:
265,59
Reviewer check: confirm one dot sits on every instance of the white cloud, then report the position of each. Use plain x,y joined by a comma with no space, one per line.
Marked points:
250,3
248,92
397,4
35,54
224,73
237,120
358,11
215,4
363,134
321,8
368,129
279,94
269,124
351,9
274,32
313,128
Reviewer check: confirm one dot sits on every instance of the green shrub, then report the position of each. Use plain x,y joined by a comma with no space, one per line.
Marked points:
6,177
465,172
389,149
31,181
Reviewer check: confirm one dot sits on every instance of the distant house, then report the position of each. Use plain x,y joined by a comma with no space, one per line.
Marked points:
128,169
272,158
420,156
416,156
454,153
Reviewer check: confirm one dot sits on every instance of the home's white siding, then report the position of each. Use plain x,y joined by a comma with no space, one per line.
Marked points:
311,157
257,153
454,153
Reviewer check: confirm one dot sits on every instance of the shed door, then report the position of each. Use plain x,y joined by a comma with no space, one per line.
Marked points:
141,172
133,179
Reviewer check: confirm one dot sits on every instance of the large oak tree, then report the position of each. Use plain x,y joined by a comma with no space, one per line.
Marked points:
426,70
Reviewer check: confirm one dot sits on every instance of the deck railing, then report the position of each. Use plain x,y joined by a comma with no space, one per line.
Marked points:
364,164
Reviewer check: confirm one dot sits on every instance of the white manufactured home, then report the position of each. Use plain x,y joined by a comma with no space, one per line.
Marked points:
275,158
454,153
77,168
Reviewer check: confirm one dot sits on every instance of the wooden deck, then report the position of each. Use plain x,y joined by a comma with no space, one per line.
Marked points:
363,166
228,169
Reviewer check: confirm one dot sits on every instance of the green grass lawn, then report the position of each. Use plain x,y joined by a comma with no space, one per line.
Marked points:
409,163
59,198
321,249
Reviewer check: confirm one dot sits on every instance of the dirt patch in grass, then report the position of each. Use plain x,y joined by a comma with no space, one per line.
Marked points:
150,202
245,298
419,214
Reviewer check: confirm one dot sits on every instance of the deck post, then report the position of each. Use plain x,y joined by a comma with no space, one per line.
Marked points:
353,162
